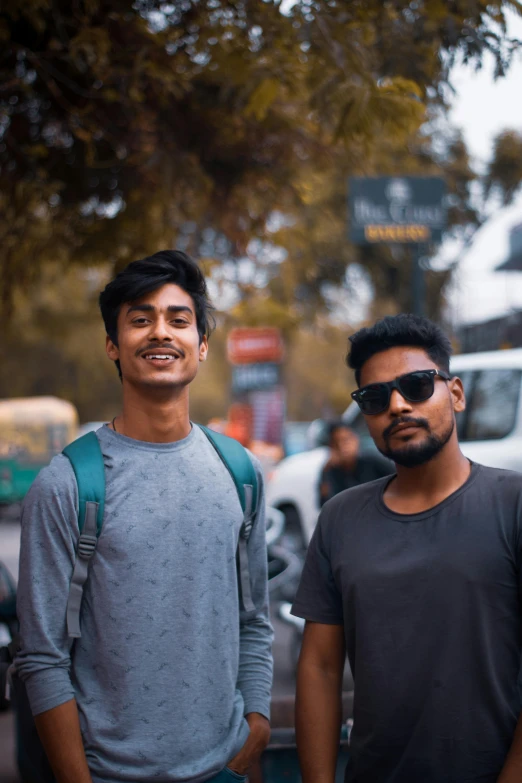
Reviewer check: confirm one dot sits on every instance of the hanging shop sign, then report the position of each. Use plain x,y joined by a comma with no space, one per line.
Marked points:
251,377
252,345
396,209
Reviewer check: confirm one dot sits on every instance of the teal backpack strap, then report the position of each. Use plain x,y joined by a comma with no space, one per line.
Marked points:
239,465
86,459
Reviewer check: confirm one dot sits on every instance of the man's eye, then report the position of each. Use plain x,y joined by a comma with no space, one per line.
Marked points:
141,320
180,321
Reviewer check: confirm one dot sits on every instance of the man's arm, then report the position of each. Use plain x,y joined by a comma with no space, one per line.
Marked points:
318,701
47,554
255,644
321,663
512,769
255,744
59,731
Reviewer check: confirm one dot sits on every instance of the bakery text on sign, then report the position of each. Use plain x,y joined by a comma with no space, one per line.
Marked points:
397,233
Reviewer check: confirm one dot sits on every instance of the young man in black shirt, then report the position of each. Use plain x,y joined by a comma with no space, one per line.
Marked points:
418,578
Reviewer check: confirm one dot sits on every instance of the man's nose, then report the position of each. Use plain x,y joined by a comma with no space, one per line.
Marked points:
399,404
161,330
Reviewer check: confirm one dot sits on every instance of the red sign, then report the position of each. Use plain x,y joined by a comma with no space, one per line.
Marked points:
251,345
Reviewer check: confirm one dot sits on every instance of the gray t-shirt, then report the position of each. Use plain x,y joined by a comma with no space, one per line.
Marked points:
431,609
167,665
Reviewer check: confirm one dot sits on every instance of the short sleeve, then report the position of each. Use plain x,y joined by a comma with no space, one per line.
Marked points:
318,598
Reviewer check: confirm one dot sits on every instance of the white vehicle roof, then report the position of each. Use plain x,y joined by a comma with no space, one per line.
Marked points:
510,359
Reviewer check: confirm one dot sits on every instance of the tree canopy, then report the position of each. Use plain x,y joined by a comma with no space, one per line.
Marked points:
129,127
504,172
226,128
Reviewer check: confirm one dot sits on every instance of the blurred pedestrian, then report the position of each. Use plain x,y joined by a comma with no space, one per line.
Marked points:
347,466
171,678
418,576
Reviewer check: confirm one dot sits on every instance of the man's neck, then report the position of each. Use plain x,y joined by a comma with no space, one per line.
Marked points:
160,416
420,488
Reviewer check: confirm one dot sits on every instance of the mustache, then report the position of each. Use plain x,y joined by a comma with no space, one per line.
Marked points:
158,348
405,420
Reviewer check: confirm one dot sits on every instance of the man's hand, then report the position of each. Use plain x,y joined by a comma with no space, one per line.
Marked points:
256,743
59,730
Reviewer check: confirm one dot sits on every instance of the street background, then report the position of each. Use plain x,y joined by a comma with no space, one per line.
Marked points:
325,163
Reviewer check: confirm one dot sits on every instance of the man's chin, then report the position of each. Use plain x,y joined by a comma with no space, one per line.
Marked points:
415,455
160,381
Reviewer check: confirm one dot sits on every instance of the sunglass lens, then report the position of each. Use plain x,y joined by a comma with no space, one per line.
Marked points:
417,386
373,399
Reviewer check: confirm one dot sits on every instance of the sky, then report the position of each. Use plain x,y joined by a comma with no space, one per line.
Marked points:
482,107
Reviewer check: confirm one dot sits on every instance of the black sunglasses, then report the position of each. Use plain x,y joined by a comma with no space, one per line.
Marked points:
415,386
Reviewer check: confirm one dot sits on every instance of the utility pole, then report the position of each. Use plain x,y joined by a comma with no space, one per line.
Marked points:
418,280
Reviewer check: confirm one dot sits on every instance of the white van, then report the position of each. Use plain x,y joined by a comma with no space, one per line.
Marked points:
490,432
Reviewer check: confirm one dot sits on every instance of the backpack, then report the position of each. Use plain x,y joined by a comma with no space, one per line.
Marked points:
86,459
87,462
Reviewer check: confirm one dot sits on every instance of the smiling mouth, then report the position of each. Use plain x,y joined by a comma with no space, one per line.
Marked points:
160,358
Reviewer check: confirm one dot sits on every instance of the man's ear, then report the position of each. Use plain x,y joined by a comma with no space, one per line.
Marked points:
457,393
203,349
112,350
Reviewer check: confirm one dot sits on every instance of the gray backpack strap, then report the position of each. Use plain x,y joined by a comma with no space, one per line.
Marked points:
239,465
86,548
242,550
86,459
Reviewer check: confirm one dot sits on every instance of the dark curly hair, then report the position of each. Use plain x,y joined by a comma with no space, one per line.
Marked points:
144,276
394,330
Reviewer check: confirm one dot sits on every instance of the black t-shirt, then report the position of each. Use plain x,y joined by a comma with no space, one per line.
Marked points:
431,608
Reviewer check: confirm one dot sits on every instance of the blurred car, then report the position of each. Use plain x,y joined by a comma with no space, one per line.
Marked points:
490,432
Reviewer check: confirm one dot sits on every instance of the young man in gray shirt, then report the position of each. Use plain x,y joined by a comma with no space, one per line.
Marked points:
418,576
171,678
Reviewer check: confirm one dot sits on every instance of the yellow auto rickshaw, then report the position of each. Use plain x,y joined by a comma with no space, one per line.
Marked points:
32,431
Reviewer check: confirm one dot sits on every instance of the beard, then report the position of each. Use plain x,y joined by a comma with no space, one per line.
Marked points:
411,456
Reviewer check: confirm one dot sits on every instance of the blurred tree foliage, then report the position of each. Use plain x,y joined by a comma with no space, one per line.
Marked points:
318,382
129,127
504,173
227,129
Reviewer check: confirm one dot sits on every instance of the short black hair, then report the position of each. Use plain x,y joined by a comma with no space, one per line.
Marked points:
394,330
147,275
